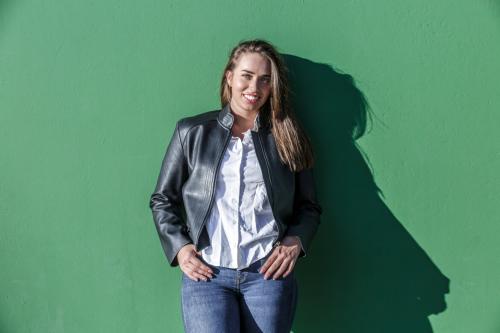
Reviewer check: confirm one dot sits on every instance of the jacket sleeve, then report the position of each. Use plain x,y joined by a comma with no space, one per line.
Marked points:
166,201
307,210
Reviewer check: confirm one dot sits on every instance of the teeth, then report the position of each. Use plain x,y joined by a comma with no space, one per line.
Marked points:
251,97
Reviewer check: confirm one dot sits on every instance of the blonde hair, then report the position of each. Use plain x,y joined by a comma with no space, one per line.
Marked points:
293,144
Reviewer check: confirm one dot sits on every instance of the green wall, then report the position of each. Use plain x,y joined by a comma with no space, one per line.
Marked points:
89,95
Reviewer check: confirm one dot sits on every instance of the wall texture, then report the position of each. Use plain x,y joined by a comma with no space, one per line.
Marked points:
89,95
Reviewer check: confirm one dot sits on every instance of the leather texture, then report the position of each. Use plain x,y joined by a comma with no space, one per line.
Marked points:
185,188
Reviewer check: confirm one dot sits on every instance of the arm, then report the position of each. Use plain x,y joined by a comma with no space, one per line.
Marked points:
166,201
307,210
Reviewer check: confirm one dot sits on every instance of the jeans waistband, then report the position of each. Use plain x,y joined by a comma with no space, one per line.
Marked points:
253,267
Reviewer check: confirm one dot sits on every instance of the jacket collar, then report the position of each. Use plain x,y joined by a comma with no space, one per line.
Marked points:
226,118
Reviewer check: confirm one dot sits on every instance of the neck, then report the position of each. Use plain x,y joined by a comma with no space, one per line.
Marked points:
242,118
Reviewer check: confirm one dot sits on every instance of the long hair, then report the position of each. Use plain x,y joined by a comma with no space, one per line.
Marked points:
293,144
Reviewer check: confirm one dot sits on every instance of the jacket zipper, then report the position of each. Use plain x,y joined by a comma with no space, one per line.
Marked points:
213,189
277,242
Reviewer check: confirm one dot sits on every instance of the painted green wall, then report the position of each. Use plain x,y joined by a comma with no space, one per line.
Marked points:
89,95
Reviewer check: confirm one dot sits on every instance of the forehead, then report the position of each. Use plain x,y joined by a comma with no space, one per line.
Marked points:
254,62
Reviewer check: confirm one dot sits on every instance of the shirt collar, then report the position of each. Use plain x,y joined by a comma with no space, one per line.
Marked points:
226,118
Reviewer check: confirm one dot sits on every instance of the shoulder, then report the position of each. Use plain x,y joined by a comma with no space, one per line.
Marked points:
185,124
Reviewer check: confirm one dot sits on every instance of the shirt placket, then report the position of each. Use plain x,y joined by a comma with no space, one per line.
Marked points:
236,201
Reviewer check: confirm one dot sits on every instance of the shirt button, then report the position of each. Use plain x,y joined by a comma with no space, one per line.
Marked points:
234,201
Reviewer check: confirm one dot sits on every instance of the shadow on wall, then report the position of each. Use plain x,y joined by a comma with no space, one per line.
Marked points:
367,273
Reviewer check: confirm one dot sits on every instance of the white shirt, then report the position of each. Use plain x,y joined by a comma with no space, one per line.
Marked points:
241,225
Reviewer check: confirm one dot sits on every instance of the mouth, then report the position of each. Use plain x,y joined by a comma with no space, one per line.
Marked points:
250,98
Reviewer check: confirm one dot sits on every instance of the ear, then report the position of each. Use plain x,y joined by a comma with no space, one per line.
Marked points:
229,77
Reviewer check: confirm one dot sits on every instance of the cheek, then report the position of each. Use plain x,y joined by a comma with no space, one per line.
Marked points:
239,85
267,91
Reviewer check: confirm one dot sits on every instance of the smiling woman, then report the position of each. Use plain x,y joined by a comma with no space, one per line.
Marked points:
243,175
250,82
250,88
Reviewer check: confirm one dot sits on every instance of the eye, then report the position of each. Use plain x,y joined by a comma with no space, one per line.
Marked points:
248,76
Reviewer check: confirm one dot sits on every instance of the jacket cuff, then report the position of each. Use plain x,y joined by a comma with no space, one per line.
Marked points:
172,239
173,260
305,230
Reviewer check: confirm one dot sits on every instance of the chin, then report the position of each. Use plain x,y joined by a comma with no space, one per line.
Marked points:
255,108
251,107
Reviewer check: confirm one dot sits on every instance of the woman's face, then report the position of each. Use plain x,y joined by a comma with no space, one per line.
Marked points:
250,82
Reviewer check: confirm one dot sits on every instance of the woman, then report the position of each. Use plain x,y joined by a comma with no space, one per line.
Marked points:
235,203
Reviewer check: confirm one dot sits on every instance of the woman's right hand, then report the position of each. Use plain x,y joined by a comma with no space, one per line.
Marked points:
191,265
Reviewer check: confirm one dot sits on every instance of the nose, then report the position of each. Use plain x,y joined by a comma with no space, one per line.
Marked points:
255,85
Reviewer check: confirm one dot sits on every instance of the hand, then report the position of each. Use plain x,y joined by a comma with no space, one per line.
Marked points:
193,267
282,259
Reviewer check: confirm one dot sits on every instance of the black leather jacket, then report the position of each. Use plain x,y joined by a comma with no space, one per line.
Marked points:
184,192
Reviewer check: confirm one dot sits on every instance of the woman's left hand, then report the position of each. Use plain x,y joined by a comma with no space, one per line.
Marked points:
282,259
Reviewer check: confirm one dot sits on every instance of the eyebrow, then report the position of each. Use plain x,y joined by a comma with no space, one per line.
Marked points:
244,70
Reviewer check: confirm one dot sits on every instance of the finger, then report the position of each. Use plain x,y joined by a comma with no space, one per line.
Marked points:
199,276
283,267
190,270
268,262
197,261
196,277
190,276
193,267
277,263
201,267
290,268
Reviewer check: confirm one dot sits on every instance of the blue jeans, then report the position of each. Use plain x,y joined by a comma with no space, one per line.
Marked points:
238,301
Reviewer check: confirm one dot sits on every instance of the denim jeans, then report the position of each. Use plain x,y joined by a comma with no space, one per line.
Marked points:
238,301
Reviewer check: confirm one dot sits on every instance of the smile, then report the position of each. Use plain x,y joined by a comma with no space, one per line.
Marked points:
251,98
